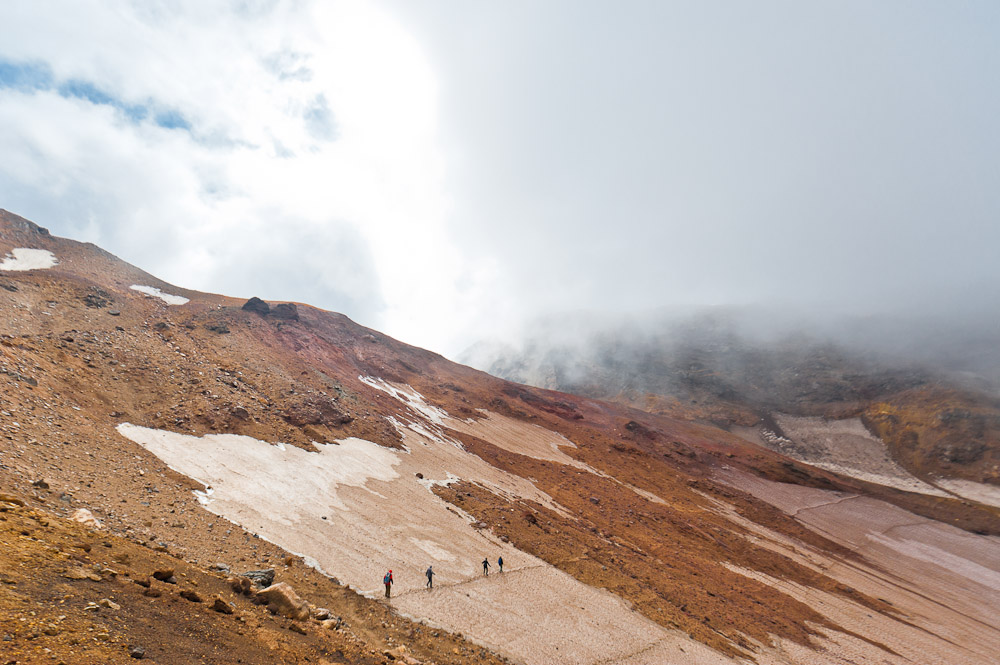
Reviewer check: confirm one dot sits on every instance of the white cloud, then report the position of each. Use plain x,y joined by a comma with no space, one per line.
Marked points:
307,167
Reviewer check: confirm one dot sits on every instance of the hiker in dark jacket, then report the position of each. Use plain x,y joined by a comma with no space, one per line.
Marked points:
387,581
430,577
500,563
486,567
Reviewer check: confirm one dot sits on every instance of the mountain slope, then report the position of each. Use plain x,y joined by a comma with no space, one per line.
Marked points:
718,368
628,537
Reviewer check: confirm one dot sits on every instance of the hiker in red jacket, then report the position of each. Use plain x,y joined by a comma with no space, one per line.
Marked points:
387,581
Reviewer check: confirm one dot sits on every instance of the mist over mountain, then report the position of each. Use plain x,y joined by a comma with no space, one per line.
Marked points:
649,352
928,385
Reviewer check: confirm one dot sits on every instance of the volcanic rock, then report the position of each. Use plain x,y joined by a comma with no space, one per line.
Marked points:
282,599
257,305
261,578
286,310
221,606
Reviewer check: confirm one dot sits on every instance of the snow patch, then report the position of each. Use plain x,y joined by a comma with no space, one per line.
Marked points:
23,258
408,396
156,293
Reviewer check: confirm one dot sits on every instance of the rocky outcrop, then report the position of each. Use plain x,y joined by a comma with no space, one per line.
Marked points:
286,310
257,305
260,578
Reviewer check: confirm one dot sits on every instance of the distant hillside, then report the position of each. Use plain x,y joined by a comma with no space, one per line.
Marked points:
737,368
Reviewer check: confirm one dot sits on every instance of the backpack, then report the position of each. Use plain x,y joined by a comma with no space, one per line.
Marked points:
386,579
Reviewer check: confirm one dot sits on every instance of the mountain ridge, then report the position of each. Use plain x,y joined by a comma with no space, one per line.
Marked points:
428,461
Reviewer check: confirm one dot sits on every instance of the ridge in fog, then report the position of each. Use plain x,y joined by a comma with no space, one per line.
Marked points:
964,344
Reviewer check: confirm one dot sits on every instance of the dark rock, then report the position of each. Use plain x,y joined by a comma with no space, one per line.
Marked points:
241,585
257,305
8,287
220,328
286,310
188,594
161,325
98,298
136,652
420,476
115,312
40,484
316,411
221,606
260,578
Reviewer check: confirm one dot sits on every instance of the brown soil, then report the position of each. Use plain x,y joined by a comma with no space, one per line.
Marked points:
620,542
53,569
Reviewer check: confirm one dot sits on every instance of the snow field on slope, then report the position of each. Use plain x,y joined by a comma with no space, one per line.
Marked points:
357,509
941,580
842,446
23,258
154,292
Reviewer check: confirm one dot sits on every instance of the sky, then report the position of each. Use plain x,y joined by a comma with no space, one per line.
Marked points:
446,171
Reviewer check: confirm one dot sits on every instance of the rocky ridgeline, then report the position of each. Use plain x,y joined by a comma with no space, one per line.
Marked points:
287,311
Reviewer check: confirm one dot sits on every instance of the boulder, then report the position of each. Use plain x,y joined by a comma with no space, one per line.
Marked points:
85,517
188,594
282,599
221,606
257,305
260,578
165,575
241,585
286,310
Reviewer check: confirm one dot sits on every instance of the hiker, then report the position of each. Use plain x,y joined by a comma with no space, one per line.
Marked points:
500,563
387,581
430,577
486,567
